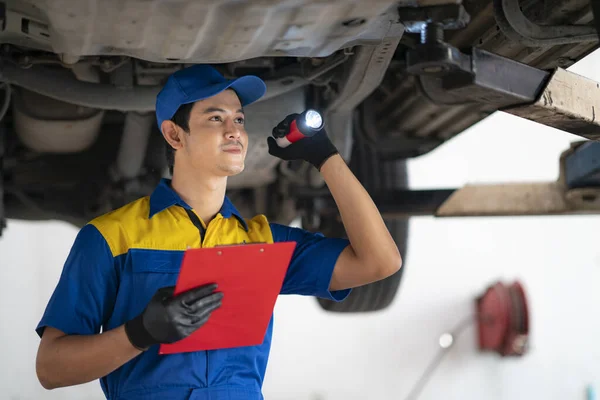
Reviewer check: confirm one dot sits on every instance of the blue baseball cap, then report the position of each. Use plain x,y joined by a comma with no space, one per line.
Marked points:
199,82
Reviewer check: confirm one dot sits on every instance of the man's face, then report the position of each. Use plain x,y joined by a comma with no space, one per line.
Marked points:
217,141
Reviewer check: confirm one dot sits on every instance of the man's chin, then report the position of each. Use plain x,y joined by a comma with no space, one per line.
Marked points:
232,170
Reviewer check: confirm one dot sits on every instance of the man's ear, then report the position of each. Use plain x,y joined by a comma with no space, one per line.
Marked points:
172,134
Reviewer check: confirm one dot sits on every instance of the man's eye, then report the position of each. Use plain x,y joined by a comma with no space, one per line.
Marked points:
240,120
215,118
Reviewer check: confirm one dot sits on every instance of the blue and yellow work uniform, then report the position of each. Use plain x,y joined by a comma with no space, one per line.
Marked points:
120,259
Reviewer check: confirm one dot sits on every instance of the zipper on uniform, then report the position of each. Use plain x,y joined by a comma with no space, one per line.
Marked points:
197,223
207,382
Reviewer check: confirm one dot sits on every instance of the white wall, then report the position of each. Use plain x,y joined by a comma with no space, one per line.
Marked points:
323,356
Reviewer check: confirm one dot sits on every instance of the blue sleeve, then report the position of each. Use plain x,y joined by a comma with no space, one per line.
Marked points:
85,294
312,264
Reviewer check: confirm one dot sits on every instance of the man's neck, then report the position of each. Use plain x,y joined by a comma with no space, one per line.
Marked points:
204,195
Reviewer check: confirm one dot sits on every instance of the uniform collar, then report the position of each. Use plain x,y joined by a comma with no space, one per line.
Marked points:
164,197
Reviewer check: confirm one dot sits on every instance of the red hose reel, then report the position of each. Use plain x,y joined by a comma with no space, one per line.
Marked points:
503,320
502,326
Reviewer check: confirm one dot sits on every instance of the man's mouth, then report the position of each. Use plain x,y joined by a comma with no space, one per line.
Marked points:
235,149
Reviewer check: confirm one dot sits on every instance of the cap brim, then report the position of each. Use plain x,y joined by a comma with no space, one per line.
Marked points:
249,88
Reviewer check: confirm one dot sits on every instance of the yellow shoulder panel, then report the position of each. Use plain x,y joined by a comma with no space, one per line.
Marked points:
114,225
259,229
129,227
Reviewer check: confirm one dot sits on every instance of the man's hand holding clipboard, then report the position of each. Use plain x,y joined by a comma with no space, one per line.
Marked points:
192,317
168,318
250,276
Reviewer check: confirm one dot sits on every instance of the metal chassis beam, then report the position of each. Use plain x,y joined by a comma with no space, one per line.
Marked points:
488,200
498,200
518,199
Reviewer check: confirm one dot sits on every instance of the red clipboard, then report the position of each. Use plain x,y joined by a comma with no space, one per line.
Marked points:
250,277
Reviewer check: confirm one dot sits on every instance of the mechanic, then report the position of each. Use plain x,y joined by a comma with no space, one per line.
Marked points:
114,302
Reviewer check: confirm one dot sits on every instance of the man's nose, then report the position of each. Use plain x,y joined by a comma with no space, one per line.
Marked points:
232,130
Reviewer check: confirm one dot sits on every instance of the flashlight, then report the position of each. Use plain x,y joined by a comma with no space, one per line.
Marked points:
304,125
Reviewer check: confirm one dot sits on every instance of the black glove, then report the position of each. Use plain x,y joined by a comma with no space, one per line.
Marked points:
315,149
168,319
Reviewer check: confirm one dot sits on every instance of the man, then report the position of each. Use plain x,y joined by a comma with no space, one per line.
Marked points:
114,301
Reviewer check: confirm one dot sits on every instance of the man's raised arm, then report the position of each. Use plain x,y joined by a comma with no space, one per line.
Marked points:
372,255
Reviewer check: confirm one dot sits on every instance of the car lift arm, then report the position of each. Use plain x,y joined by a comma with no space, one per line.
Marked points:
569,102
560,99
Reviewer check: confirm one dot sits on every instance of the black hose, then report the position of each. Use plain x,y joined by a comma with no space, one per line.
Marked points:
595,5
515,25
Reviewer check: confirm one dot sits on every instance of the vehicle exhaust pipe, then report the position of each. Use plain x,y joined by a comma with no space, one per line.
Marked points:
62,85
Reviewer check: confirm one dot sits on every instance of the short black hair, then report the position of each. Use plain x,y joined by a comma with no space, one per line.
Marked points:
182,119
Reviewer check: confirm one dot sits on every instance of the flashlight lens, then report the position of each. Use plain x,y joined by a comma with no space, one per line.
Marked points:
313,119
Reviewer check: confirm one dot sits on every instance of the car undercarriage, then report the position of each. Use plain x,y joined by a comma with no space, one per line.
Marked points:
393,79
